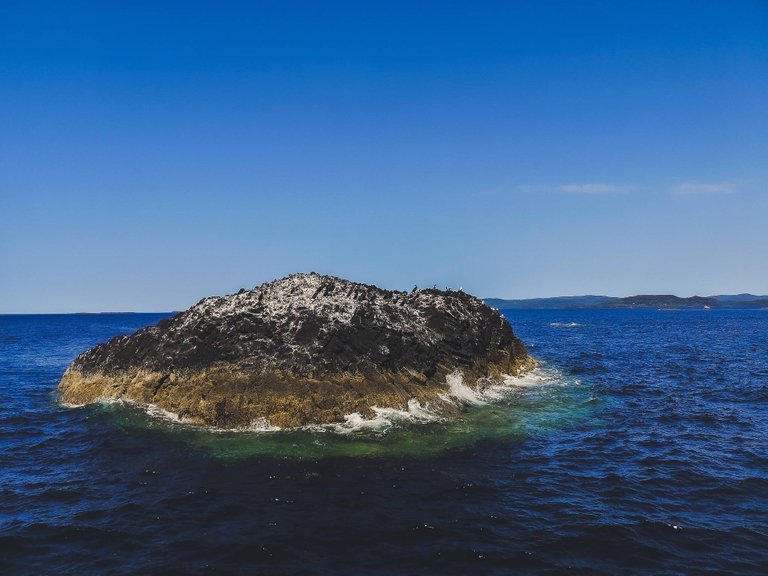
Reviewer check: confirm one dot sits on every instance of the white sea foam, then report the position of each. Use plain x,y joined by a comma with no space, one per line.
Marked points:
256,425
151,409
458,391
70,405
154,411
565,324
259,425
537,377
163,414
262,425
384,418
493,390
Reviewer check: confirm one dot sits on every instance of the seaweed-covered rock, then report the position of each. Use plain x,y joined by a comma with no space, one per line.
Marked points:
306,349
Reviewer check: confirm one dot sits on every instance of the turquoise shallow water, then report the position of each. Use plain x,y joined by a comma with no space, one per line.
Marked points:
641,447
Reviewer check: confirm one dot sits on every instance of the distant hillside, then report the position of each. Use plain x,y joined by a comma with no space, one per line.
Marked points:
557,302
760,303
738,297
663,301
744,301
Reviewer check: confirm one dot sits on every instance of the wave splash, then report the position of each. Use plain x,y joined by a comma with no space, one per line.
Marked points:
384,418
487,391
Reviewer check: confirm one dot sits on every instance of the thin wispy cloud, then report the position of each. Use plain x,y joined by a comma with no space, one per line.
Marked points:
687,188
696,188
594,188
585,189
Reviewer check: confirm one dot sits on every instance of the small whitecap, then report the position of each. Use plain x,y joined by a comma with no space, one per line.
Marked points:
384,418
70,405
458,391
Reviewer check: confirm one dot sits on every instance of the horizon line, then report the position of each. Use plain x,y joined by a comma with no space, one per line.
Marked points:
98,312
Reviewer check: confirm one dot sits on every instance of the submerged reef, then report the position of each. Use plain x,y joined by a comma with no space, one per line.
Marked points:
306,349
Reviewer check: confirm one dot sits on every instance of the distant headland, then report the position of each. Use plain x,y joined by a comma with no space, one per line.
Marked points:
664,301
307,349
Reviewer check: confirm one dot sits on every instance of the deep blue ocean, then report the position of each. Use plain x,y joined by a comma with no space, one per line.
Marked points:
641,448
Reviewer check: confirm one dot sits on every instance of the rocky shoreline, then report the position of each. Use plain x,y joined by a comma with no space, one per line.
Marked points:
307,349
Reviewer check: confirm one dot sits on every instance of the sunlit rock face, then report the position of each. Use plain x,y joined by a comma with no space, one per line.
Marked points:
306,349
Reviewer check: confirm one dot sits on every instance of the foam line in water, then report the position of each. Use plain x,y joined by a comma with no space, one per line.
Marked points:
257,425
493,390
150,409
157,412
384,418
70,405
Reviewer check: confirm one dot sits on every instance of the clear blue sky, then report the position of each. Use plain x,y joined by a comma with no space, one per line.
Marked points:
154,153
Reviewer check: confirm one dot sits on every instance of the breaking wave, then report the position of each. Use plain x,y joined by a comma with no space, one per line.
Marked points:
459,393
385,418
490,390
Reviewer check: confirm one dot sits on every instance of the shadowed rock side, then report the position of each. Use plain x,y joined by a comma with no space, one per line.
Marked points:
306,349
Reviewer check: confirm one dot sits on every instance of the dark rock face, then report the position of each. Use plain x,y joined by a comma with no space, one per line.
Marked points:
305,336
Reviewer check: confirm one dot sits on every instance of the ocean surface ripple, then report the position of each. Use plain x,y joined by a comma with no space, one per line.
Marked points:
639,447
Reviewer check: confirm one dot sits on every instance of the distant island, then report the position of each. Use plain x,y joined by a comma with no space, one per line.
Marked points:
663,301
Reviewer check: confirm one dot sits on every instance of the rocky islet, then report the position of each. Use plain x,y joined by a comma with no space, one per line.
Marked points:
306,349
